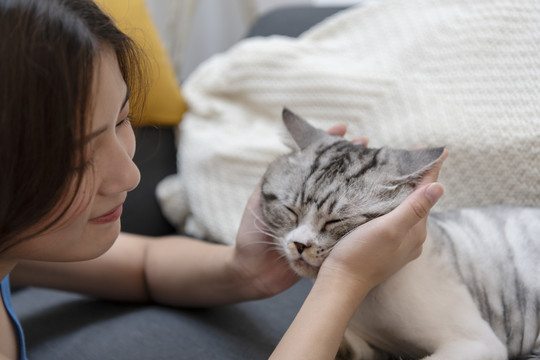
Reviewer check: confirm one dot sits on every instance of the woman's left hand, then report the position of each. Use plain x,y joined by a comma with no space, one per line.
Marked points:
257,257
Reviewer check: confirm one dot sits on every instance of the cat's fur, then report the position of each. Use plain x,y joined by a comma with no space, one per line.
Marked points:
473,293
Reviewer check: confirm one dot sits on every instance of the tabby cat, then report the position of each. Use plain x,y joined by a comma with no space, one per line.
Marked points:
474,292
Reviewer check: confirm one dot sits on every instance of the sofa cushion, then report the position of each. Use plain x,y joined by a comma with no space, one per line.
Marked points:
60,325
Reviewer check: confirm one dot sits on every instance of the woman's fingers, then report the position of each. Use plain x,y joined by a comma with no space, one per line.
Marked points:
338,130
341,129
416,206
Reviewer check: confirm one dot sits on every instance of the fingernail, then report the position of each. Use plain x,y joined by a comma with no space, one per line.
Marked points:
434,192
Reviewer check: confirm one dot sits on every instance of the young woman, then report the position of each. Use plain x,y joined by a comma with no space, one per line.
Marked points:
68,79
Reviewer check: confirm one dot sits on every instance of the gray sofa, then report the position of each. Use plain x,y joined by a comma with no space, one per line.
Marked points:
60,325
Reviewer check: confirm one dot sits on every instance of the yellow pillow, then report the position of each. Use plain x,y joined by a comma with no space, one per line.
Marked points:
164,103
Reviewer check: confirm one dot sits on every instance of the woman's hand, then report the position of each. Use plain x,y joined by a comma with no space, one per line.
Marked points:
257,257
376,250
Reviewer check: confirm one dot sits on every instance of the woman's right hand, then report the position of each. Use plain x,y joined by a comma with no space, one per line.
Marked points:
376,250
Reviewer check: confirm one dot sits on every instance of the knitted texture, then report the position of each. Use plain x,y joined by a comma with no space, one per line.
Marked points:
459,73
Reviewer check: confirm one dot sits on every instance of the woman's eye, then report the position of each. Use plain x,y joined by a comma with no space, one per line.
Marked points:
329,225
125,122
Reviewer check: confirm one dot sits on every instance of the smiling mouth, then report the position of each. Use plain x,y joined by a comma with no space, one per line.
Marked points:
111,216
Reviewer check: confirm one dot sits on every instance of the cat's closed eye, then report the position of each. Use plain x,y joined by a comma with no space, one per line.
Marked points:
293,214
331,224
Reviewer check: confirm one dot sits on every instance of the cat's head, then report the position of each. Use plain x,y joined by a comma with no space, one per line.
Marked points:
328,186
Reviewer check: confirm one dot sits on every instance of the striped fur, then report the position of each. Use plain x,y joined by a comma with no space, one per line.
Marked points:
473,293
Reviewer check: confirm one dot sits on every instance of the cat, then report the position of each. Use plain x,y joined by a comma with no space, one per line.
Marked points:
474,292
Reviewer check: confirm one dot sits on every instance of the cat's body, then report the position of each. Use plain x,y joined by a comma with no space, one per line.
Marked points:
474,290
472,294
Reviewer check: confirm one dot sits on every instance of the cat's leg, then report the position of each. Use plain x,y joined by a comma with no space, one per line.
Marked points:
353,347
421,312
462,333
466,349
535,354
345,351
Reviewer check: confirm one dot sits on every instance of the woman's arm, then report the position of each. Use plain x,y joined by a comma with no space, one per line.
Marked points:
171,270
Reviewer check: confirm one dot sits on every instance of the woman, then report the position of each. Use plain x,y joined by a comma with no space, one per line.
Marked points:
69,77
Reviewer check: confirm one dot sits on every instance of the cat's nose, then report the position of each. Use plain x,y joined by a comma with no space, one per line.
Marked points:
300,247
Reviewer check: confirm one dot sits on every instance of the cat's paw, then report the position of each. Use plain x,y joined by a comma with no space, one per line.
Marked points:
361,351
345,351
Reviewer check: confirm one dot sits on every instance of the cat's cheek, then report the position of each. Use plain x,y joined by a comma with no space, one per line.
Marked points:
297,263
304,269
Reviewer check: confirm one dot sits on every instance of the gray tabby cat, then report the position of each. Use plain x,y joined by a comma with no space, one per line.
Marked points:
474,293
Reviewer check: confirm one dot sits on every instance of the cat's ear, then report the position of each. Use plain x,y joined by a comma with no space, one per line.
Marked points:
301,131
412,165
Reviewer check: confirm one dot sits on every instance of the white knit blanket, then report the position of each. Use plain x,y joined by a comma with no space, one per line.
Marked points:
459,73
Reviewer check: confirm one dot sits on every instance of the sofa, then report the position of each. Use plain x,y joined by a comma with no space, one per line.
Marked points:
60,325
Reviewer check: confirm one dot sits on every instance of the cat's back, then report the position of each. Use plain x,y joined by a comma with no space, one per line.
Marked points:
496,253
492,233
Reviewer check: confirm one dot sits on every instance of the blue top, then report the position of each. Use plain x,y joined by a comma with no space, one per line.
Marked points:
6,296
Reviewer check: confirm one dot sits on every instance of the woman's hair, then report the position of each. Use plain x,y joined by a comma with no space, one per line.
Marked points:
48,54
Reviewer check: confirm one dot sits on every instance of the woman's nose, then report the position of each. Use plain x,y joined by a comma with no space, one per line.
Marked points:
120,173
129,176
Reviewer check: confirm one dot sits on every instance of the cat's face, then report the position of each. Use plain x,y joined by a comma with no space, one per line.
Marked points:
328,187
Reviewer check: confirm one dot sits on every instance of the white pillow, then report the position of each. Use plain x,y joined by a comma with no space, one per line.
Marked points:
403,73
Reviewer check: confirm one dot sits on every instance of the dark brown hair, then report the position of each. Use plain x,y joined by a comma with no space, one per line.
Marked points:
48,51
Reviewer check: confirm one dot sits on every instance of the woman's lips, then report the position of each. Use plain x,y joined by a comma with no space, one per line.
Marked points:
111,216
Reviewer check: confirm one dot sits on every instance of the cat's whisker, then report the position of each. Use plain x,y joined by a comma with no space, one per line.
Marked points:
271,245
274,249
267,233
269,249
262,231
262,242
258,218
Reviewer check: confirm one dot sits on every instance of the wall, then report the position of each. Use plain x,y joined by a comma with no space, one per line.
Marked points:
193,30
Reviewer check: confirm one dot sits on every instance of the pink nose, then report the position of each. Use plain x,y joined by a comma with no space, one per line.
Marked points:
300,247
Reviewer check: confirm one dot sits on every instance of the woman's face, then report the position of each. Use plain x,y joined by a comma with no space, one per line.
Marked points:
92,223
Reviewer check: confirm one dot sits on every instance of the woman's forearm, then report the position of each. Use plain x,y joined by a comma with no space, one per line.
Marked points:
188,272
173,270
318,329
